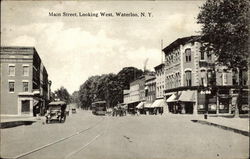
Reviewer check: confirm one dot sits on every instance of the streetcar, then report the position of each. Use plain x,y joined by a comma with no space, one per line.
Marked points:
99,108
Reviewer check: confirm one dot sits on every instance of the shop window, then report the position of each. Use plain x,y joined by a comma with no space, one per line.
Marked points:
11,86
188,55
11,70
188,78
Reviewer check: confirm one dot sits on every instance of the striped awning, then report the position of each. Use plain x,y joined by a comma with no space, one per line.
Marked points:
159,103
187,96
140,105
172,98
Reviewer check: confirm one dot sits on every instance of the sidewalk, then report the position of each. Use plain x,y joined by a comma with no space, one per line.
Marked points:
237,125
13,121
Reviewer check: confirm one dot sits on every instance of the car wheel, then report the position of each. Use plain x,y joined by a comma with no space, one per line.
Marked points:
64,119
60,119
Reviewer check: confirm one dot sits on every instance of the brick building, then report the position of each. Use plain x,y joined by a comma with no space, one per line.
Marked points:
189,72
160,80
25,88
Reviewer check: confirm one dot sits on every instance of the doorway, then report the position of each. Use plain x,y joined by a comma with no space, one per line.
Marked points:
25,107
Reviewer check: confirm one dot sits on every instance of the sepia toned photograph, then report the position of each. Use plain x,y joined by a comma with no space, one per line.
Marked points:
124,79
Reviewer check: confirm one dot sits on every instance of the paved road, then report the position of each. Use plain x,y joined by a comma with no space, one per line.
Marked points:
93,137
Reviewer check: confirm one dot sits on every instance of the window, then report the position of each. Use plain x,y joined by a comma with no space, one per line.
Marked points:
202,55
244,77
188,78
11,70
26,70
203,78
224,77
209,56
25,86
188,55
11,86
235,77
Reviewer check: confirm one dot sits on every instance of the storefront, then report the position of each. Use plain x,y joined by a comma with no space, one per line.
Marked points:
140,108
224,101
212,103
132,107
173,103
187,101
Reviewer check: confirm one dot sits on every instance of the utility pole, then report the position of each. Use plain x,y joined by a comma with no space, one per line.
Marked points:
161,51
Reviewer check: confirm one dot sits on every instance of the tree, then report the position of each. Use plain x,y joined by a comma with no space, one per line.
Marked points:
63,94
225,33
108,87
75,98
127,75
87,92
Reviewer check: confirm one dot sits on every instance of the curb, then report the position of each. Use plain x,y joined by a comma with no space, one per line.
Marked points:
11,124
242,132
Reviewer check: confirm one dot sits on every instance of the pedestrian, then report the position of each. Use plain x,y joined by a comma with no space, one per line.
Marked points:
138,112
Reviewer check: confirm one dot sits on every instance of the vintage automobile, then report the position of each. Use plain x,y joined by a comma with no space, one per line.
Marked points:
73,110
56,111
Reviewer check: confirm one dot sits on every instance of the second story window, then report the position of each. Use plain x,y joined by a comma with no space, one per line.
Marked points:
25,86
224,77
188,78
203,78
209,57
11,70
235,77
244,77
12,86
188,55
26,70
202,55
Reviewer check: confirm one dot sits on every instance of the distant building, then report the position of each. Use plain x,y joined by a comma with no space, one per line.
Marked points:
126,97
25,88
160,80
150,89
136,93
188,72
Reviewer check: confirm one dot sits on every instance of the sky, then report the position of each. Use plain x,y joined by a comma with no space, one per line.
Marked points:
77,47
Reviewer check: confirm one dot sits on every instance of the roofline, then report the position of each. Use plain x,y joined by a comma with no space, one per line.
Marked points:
181,41
18,47
160,65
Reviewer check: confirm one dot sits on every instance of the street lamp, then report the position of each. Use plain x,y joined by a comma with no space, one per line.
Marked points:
207,88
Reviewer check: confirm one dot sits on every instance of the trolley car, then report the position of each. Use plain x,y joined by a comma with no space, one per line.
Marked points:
99,108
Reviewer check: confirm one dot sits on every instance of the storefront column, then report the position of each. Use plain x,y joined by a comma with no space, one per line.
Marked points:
217,104
195,109
183,111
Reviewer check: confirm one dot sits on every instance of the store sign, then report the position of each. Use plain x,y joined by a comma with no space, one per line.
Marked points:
221,106
206,92
212,106
245,107
201,106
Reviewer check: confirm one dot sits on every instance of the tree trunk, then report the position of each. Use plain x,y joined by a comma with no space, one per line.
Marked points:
238,103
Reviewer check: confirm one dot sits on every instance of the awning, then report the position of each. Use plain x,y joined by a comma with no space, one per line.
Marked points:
147,105
172,98
159,103
57,103
168,94
187,96
140,105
